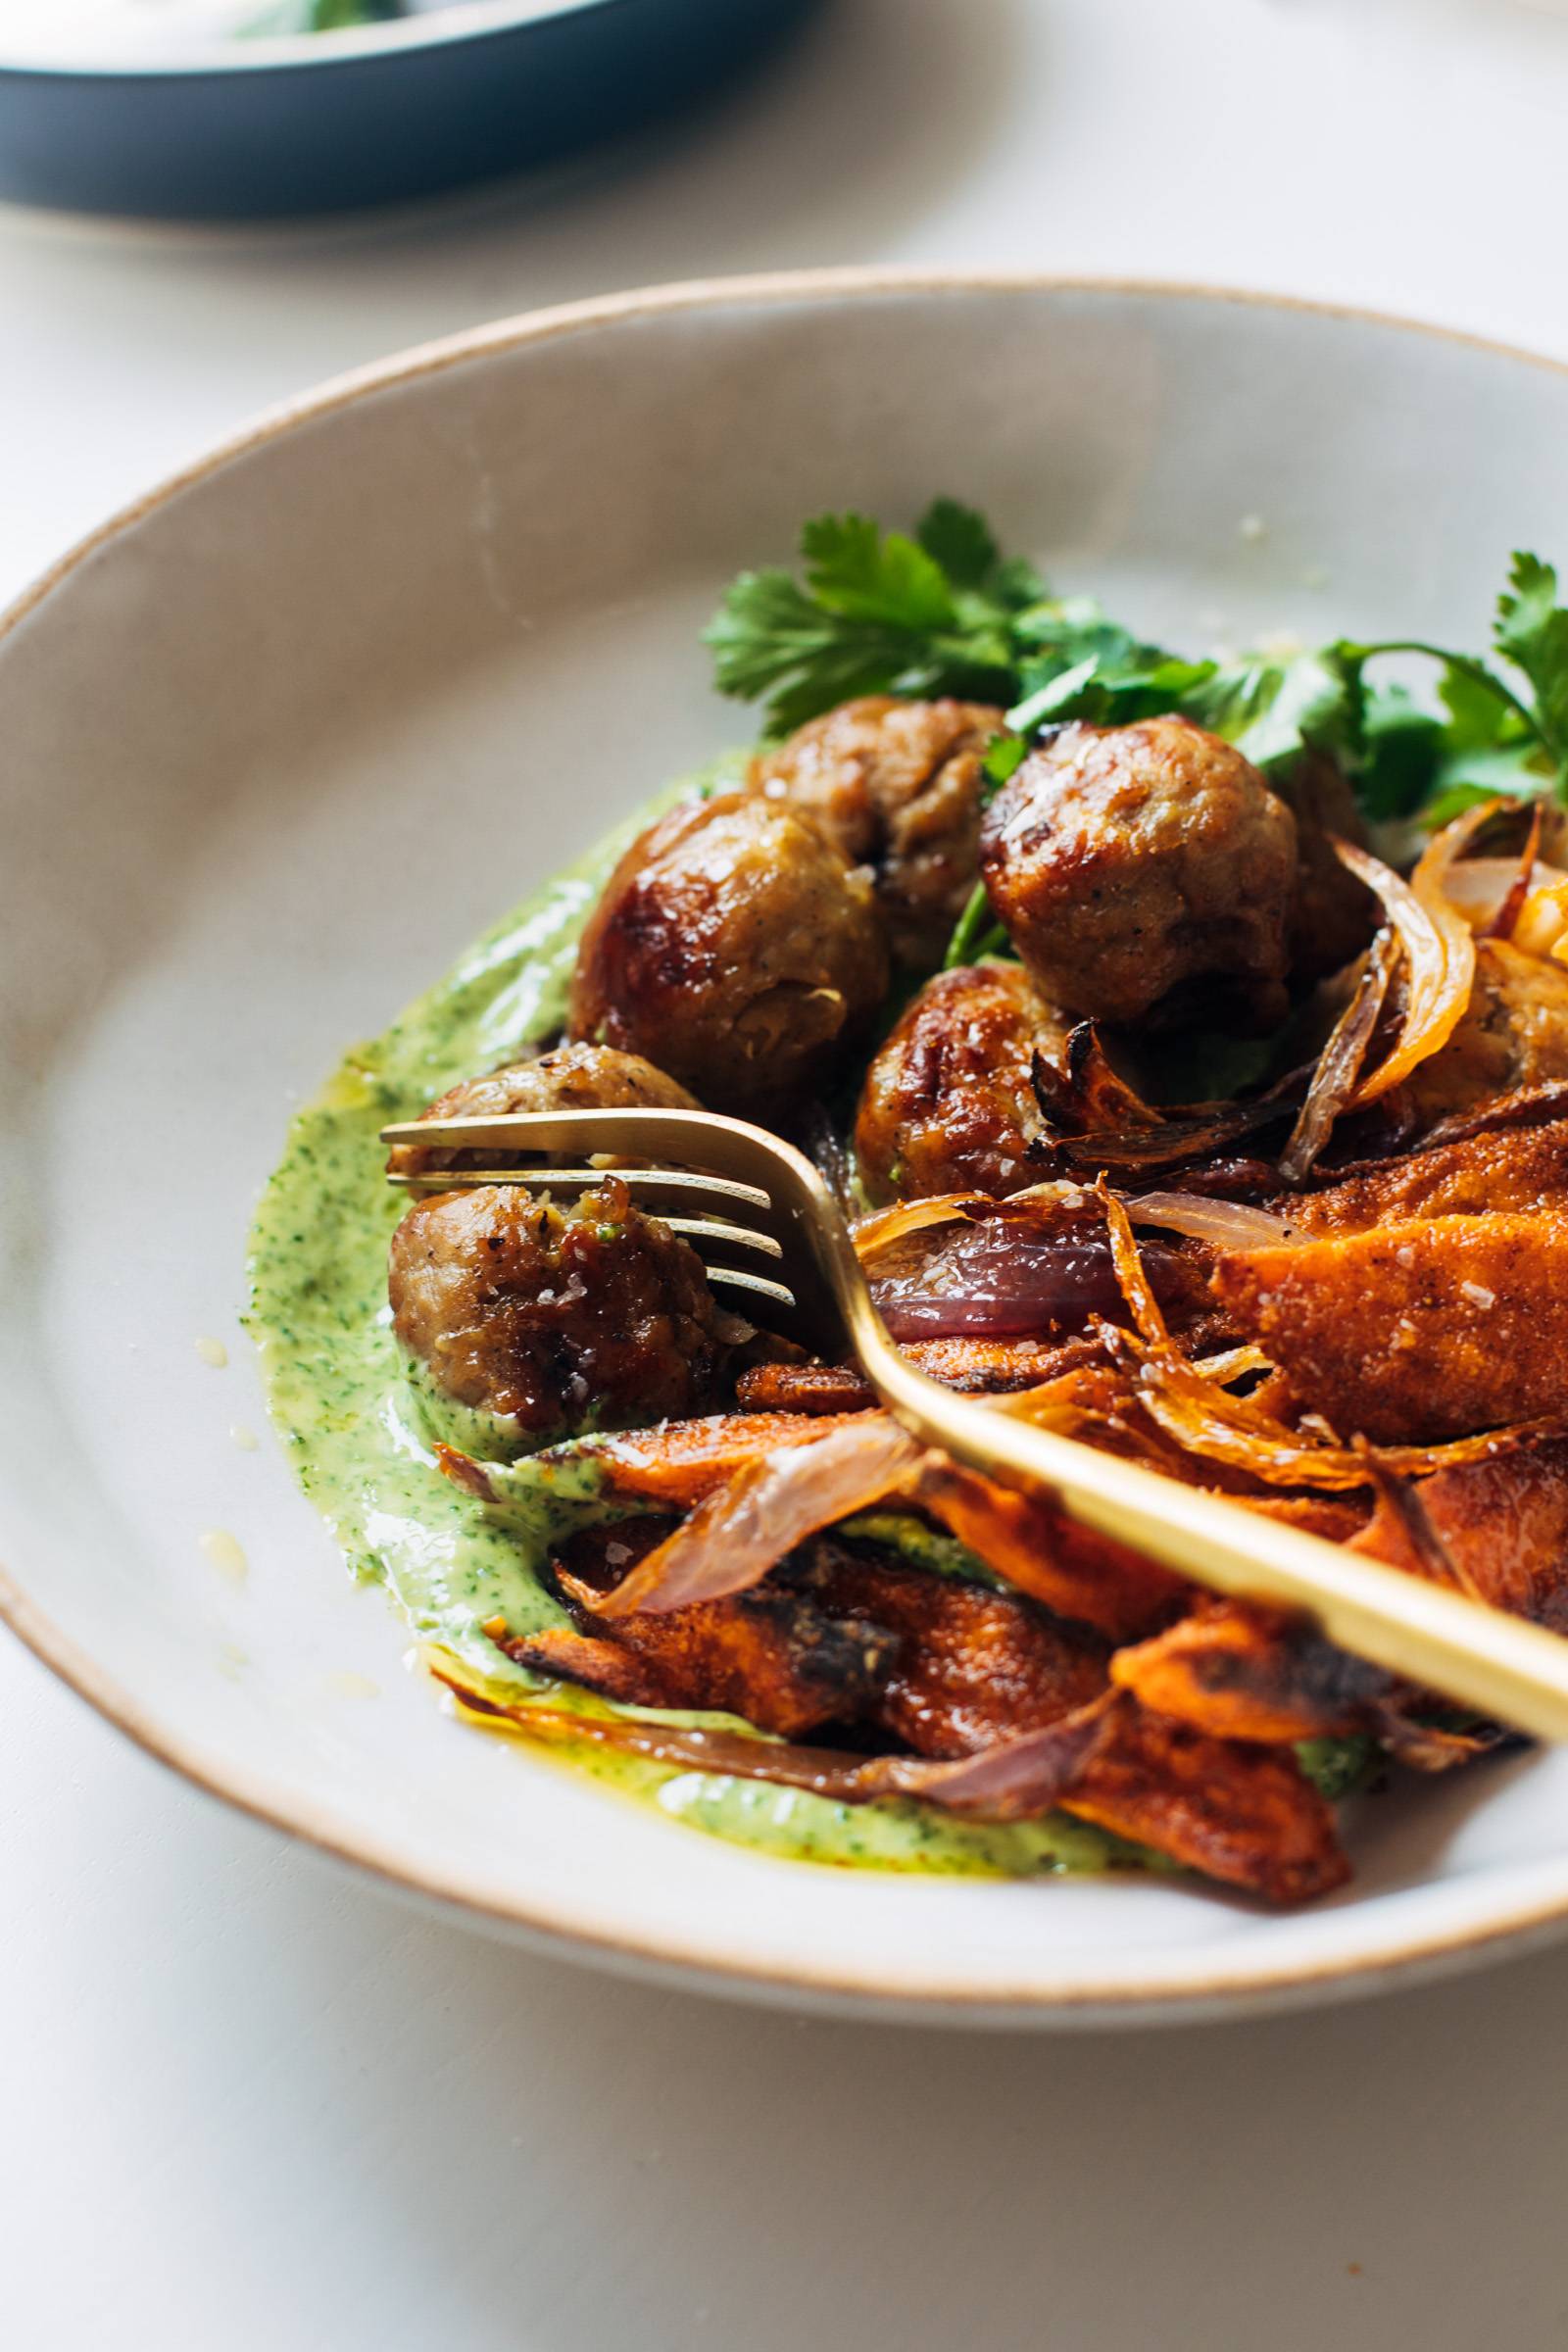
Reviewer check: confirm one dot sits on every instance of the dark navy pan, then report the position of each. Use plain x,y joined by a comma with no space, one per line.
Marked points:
389,112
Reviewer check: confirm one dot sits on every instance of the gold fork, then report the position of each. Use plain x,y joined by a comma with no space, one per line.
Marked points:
767,1199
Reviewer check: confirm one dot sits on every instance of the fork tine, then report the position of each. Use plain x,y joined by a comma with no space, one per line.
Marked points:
706,1162
755,1286
703,1232
673,1181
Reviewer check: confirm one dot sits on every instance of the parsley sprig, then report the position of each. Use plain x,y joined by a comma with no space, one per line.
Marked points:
1492,735
945,612
878,613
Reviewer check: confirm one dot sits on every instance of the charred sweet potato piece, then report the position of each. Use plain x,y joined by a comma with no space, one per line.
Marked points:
775,1655
1507,1168
1069,1568
1414,1332
974,1367
1245,1815
948,1670
1247,1673
1503,1525
966,1667
1071,1571
676,1463
802,1388
835,1635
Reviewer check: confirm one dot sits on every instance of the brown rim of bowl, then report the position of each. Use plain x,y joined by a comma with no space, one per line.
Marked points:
1172,1998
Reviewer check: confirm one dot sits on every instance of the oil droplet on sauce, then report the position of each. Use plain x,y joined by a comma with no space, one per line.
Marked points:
352,1686
211,1352
245,1438
225,1553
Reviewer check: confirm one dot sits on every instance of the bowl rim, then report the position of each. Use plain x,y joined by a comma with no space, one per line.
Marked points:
1196,1987
461,20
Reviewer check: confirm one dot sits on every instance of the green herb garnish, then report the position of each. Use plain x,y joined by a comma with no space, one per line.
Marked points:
877,612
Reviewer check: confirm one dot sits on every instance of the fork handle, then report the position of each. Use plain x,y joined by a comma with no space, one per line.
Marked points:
1511,1671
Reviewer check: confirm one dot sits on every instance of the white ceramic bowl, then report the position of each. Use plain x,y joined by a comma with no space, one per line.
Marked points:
284,736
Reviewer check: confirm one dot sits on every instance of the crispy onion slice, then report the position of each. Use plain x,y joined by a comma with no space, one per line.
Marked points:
1010,1782
1479,889
1142,1150
1136,1287
1437,944
1207,1420
1527,1107
877,1232
1224,1224
739,1533
1093,1119
1339,1065
1503,922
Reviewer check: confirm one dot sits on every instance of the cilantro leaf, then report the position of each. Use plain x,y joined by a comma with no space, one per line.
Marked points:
765,628
960,543
1272,711
878,612
1531,632
944,612
853,569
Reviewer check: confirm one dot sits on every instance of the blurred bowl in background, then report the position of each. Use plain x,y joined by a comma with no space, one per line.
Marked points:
243,129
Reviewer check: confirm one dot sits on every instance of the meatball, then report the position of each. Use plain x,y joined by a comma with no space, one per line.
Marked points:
1333,916
562,1320
737,948
570,1078
896,784
1514,1033
1128,862
947,1104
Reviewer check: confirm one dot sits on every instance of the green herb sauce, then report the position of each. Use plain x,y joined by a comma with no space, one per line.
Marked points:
359,1429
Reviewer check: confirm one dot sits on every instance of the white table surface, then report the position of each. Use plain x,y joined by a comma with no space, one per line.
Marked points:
249,2102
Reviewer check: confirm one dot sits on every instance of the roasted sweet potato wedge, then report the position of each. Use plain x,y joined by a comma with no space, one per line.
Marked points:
1244,1815
1414,1332
1503,1525
1251,1674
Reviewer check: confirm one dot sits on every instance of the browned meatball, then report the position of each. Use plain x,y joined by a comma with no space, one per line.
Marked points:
947,1104
736,947
1131,861
594,1315
896,784
570,1078
1333,916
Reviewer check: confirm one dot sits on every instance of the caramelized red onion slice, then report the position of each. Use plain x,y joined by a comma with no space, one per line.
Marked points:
1026,1267
746,1527
1002,1281
1010,1782
1438,946
1339,1064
